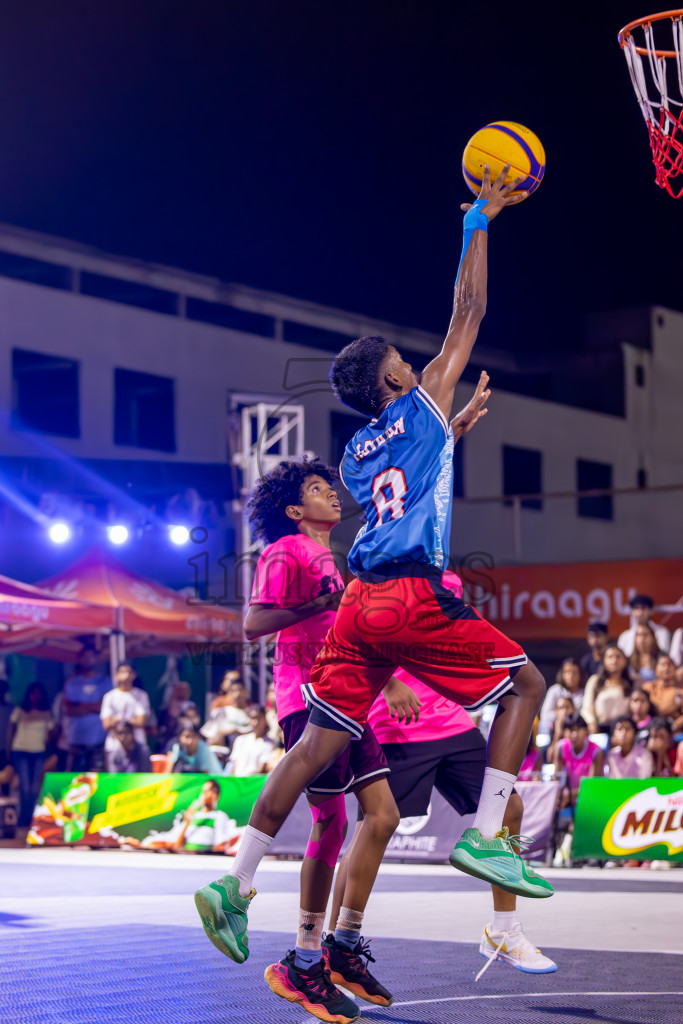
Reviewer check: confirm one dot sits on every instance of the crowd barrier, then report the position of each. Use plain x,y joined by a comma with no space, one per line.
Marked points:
633,819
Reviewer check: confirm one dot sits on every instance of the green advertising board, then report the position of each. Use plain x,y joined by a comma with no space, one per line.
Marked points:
641,819
183,812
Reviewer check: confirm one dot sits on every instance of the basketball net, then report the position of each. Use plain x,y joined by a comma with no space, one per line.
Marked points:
657,77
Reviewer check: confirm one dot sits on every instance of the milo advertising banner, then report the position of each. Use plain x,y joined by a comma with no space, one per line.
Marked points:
641,819
178,813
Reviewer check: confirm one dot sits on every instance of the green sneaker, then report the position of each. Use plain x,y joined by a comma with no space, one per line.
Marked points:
496,862
224,916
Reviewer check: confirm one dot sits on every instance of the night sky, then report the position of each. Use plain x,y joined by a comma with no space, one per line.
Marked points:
313,148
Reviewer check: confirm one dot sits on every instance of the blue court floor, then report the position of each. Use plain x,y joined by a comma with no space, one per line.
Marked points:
114,937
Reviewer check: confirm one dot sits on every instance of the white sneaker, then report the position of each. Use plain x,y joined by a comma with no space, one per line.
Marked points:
513,948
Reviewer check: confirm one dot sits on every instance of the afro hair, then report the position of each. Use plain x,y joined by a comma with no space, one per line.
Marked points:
283,486
354,374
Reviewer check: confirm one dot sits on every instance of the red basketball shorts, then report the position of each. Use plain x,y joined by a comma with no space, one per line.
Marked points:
419,625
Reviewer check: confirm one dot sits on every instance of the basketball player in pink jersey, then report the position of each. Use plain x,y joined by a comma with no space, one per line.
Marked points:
442,749
296,590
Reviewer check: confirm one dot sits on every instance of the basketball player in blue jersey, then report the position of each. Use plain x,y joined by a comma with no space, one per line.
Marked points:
396,611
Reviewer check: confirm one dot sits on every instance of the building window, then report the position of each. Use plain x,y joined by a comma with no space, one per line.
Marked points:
594,476
45,394
640,376
523,474
144,410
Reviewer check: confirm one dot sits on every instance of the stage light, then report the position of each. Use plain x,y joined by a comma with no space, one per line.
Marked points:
179,534
118,534
59,532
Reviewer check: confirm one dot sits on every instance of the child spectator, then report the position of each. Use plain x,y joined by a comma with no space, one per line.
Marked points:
596,638
661,746
579,757
569,682
565,708
645,653
30,725
190,753
607,693
640,710
531,765
252,752
126,754
627,759
229,718
664,692
641,615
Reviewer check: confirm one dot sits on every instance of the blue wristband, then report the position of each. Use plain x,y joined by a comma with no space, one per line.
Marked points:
474,220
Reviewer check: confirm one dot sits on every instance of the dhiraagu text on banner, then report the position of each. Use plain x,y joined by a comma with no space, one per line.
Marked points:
179,813
641,819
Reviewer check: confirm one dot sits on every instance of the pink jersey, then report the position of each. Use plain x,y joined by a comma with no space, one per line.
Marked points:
439,717
293,571
579,765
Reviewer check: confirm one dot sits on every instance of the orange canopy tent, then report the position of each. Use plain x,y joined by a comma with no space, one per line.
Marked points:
30,615
149,618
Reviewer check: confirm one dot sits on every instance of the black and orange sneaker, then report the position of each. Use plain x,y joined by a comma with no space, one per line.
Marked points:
312,989
349,967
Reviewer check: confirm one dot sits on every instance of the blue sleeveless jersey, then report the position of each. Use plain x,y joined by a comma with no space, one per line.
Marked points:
399,469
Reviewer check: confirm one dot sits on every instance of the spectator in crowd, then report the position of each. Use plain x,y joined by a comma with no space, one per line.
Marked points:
640,710
252,752
665,694
61,734
608,691
580,758
569,682
564,710
645,653
678,765
190,753
230,718
596,638
222,698
126,754
82,704
125,703
178,697
627,759
641,615
30,726
676,649
661,746
274,730
531,764
5,712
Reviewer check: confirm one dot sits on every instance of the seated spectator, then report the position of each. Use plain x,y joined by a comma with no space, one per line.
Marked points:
645,653
665,694
190,753
274,730
531,764
607,693
251,753
223,697
82,703
676,649
230,718
579,756
125,703
126,754
564,709
596,638
661,746
641,710
627,759
569,682
30,725
641,615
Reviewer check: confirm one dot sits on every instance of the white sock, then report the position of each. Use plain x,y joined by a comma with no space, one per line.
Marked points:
495,793
505,921
253,847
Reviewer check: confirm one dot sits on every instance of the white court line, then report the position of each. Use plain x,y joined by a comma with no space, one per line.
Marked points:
530,995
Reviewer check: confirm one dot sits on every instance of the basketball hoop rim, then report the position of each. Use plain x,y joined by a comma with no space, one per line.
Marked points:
641,23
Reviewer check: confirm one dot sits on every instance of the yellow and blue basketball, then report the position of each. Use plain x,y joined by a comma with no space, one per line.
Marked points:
500,143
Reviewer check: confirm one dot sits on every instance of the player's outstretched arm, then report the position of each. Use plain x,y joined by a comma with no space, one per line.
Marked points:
469,305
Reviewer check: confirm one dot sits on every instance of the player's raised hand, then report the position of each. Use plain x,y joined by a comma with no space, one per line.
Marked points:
402,702
498,194
474,409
